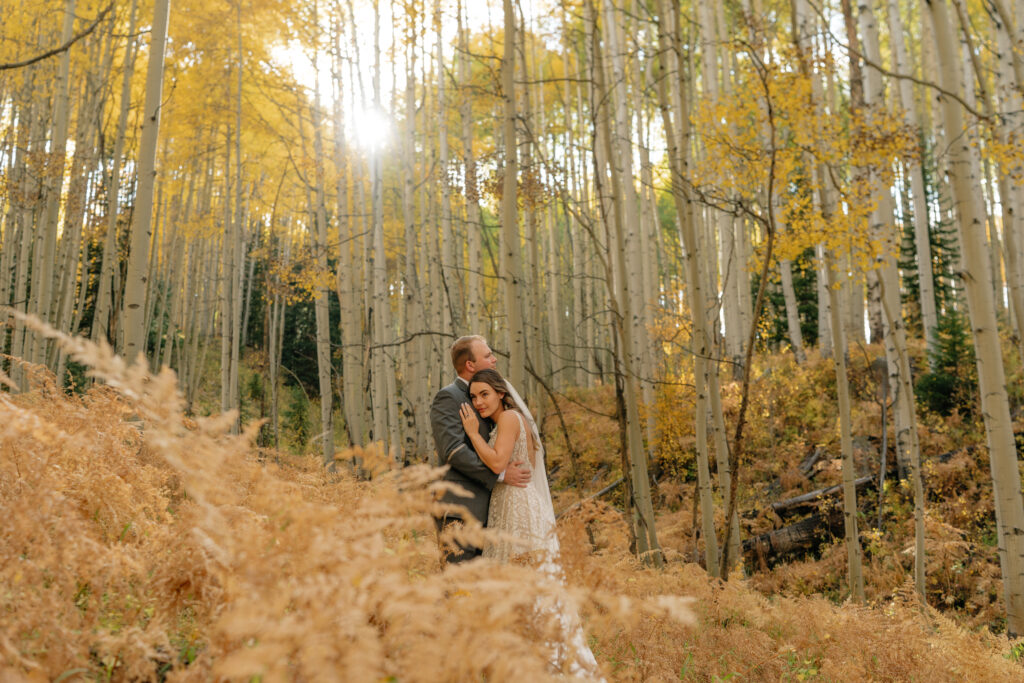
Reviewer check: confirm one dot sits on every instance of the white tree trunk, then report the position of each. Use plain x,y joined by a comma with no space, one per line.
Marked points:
136,284
675,118
995,406
511,247
796,339
854,553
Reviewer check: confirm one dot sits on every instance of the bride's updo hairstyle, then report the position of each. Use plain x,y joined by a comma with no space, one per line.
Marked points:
493,379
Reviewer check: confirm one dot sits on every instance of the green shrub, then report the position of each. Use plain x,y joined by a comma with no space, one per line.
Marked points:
952,384
296,419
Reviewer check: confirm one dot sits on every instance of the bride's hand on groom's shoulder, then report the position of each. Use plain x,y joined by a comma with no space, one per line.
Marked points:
470,422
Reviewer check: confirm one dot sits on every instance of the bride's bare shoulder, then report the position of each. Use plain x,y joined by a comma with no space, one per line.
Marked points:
508,419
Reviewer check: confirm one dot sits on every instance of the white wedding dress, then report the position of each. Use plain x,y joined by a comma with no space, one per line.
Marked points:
525,520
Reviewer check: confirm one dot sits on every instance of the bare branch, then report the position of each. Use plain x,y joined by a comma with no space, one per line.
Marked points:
63,48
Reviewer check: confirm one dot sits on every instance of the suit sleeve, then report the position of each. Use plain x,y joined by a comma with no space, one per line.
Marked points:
450,441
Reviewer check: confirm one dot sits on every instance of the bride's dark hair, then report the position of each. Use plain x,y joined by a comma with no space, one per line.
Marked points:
493,379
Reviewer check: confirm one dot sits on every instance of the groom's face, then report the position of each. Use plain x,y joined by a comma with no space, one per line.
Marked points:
483,357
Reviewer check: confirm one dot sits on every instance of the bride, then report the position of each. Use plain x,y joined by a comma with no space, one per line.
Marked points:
523,516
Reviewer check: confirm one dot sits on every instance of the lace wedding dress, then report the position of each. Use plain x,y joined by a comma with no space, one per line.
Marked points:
525,520
524,517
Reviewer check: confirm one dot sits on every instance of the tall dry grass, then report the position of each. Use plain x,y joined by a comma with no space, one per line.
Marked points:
140,545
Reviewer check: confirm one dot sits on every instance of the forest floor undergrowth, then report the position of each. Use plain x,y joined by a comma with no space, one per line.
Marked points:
140,544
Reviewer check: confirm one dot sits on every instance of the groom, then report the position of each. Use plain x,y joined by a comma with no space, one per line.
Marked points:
454,448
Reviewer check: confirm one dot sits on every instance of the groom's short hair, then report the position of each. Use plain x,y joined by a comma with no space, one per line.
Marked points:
462,350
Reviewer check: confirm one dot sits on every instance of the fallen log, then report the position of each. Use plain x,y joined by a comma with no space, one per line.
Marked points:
766,550
806,467
808,502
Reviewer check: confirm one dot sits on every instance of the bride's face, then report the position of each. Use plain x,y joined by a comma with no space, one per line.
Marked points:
485,399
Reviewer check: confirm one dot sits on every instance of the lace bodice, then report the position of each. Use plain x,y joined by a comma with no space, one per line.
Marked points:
525,521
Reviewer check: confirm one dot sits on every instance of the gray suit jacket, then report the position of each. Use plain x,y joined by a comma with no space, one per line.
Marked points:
455,449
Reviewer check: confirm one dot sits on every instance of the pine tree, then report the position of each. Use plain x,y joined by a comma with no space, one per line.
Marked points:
953,383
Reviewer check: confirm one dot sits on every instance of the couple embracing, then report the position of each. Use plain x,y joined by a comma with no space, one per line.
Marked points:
487,437
485,434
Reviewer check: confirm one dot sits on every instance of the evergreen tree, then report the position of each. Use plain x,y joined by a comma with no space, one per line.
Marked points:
805,288
953,384
944,249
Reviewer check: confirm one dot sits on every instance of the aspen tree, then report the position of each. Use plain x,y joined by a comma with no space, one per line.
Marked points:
855,574
104,293
152,269
28,186
555,349
473,225
350,323
320,302
528,199
15,233
385,394
44,255
1011,16
886,276
1011,194
731,268
72,246
511,247
922,241
229,244
621,157
792,314
449,271
275,338
973,88
136,284
417,352
908,450
995,407
675,118
645,251
593,197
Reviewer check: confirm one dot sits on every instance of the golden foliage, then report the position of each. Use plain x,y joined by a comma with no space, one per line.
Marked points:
768,133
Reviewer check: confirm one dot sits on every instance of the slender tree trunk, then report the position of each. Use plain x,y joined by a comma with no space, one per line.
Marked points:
675,119
922,240
104,294
44,257
350,324
907,440
1011,195
136,284
321,304
796,340
417,352
474,281
511,247
854,553
451,274
995,406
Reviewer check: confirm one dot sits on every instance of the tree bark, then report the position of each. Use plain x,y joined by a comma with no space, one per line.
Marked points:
675,118
995,405
852,538
796,340
44,257
136,284
511,247
321,303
